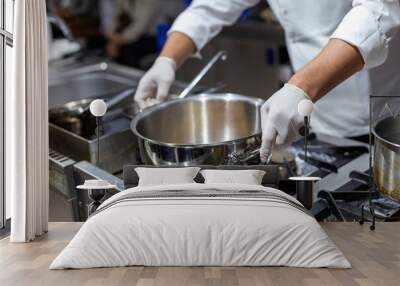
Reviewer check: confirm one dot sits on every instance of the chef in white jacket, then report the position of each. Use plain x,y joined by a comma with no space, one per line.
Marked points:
332,44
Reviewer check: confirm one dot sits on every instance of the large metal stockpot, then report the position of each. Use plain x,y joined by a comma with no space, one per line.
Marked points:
202,129
387,157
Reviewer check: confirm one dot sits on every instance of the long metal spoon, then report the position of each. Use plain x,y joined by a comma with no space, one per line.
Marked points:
220,55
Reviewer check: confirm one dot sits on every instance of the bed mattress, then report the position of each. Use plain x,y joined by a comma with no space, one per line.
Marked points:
201,225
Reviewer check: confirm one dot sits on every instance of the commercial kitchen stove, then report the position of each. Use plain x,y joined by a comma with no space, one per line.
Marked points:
341,163
344,190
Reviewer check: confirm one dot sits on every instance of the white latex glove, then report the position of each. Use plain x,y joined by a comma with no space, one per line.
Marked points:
280,119
154,86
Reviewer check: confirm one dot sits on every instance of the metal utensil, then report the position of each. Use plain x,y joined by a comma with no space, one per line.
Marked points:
75,115
78,107
220,55
240,157
115,100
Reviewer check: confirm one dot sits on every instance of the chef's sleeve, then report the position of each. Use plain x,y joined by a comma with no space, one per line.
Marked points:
369,26
204,19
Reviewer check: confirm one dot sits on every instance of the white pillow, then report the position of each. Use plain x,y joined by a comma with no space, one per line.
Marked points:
166,176
245,177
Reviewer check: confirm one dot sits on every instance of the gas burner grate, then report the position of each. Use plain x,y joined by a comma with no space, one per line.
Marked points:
350,202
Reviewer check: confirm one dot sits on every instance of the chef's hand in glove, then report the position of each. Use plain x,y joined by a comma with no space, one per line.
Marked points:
155,84
281,120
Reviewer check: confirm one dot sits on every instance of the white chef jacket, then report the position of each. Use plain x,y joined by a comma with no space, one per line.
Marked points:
309,24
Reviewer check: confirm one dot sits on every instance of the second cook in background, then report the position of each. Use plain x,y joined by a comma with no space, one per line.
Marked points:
331,45
129,36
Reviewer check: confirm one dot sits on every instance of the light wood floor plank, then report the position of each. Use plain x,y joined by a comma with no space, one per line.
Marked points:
375,257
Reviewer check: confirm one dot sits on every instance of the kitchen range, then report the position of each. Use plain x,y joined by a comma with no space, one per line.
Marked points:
342,194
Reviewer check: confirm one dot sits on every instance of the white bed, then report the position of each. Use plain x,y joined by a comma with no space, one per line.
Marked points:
225,225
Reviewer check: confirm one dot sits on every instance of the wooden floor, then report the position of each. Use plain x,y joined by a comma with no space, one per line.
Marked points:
375,257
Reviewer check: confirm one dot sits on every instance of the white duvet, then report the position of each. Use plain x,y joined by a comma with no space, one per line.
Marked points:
200,231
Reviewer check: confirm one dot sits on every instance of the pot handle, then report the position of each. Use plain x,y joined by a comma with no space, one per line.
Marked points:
241,158
220,55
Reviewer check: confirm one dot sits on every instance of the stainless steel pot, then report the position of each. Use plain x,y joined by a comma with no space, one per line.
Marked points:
387,157
202,129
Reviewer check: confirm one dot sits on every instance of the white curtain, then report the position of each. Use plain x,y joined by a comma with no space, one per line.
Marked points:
27,124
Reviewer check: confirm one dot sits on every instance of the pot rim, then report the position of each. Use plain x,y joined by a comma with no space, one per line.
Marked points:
231,96
380,138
